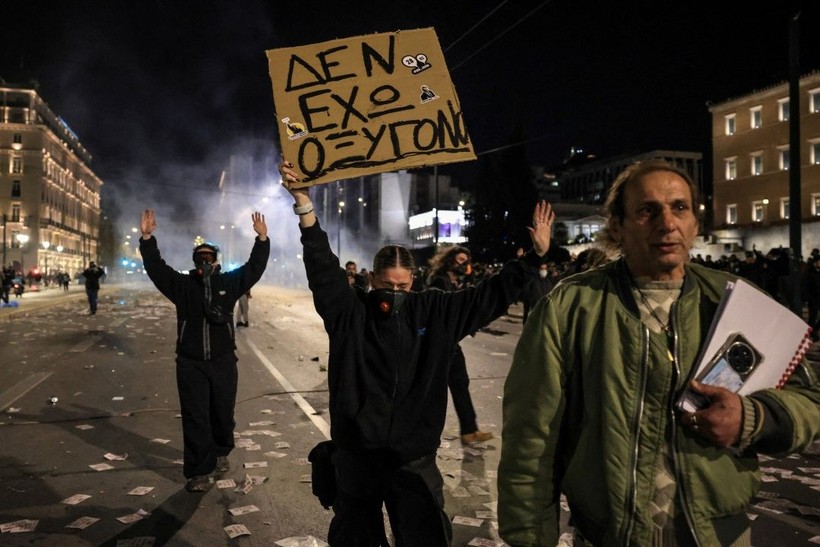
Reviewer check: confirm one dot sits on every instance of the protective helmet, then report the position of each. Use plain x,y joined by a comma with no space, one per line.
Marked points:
206,248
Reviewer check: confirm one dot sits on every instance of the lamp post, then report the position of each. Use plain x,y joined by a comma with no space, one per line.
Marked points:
5,217
339,230
22,239
59,249
46,244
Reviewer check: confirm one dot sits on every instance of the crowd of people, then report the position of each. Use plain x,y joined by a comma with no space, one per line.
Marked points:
609,343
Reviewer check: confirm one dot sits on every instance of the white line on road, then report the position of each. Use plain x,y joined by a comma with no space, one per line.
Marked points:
21,388
85,344
309,411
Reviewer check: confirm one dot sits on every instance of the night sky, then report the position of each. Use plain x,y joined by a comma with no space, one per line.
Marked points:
159,90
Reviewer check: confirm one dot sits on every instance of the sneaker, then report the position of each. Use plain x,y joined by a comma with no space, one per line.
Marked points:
476,437
200,483
222,464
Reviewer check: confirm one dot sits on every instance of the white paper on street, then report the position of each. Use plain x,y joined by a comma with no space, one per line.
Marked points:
116,457
140,490
281,445
467,521
134,517
101,466
75,499
225,483
243,510
262,423
82,523
18,526
236,530
161,441
254,465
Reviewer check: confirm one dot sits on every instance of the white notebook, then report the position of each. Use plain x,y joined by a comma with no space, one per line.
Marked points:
754,343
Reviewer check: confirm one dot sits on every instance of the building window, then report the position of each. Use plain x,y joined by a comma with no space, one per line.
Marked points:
730,124
756,117
783,110
814,152
784,208
783,159
815,205
814,100
17,141
15,212
15,188
16,165
757,164
731,168
758,210
731,214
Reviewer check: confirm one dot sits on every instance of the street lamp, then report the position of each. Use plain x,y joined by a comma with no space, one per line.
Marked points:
59,249
339,230
22,239
46,244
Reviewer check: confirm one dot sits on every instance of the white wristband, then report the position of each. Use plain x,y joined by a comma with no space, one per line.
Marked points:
303,209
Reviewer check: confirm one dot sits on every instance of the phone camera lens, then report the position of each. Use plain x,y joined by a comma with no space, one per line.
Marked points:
741,358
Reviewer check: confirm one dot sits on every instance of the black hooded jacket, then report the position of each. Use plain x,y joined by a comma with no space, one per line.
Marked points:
387,375
204,305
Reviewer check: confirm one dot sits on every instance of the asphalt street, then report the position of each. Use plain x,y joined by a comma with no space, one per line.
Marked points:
91,444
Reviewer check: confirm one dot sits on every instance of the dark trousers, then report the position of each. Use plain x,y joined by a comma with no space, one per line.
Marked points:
412,494
4,295
459,383
92,299
207,396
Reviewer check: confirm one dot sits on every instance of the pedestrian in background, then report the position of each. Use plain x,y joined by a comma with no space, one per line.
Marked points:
390,355
589,402
93,274
242,305
7,281
206,348
449,270
536,289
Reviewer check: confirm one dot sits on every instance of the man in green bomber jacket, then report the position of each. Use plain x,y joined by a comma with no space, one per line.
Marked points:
589,403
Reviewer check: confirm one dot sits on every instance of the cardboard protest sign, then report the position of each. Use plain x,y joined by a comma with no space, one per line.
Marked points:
364,105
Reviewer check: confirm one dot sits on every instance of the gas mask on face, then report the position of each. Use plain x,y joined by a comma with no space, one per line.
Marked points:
205,257
204,269
387,301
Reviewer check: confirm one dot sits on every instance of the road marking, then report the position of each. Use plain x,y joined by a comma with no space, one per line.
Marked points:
309,411
21,388
85,344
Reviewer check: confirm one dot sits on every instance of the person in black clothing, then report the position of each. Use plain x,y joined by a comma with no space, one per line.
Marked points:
206,358
753,268
92,276
449,269
811,291
7,281
390,355
536,289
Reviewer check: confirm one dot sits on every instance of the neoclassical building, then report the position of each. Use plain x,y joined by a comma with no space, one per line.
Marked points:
49,196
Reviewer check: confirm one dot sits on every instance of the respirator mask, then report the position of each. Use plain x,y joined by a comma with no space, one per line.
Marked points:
387,301
205,257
